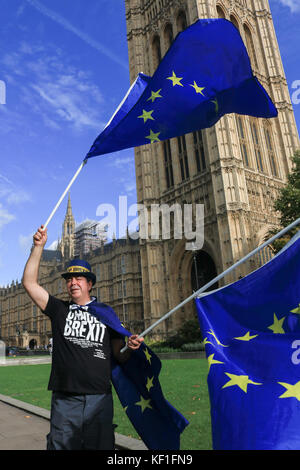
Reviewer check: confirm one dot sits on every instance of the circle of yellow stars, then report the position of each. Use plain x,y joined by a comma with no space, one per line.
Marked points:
243,381
176,81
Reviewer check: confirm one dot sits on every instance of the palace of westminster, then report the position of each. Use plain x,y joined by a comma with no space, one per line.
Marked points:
235,169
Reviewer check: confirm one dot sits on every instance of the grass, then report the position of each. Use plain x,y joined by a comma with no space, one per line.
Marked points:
183,382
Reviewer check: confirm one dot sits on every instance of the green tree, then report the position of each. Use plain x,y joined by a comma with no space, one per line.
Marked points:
288,204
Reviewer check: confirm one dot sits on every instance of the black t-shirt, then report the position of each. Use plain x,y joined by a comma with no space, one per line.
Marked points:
81,350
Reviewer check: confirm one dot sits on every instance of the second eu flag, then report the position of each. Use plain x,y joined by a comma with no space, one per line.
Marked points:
205,74
252,337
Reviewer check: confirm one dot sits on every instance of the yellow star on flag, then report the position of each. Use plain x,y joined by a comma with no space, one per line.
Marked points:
241,381
154,95
246,337
292,391
198,89
148,355
149,384
146,115
153,136
212,361
277,325
296,310
218,342
144,404
205,342
175,80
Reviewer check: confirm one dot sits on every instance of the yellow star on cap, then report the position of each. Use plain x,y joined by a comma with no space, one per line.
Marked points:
144,404
154,95
241,381
277,325
146,115
212,361
292,391
153,136
175,80
198,89
246,337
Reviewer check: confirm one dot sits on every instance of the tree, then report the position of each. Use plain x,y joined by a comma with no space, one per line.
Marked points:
288,204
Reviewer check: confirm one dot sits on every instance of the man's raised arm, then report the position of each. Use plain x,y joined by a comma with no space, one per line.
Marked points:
30,277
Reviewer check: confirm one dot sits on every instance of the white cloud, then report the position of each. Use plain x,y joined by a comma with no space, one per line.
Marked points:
5,216
294,5
53,245
57,92
69,27
119,162
25,242
11,194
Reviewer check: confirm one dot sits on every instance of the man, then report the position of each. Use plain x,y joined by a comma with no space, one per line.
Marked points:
81,407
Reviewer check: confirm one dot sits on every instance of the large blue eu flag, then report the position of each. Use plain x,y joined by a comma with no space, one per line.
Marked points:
252,337
137,385
205,74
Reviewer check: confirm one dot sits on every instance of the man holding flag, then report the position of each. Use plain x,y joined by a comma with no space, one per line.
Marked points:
80,376
87,342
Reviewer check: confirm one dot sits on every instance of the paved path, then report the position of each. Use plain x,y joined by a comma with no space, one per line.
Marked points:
20,430
24,426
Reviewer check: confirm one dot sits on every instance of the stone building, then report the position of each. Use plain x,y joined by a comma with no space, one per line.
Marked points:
235,168
118,270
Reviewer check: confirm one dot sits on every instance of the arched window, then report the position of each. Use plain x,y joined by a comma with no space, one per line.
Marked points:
181,21
250,46
168,35
220,12
199,151
270,149
243,141
183,158
257,145
168,164
234,21
156,52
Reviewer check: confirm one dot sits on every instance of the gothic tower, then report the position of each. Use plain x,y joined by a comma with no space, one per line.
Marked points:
67,240
235,168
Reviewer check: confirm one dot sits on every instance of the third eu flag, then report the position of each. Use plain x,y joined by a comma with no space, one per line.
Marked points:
205,74
252,338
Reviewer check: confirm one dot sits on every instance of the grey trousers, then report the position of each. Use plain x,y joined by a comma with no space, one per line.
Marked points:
81,422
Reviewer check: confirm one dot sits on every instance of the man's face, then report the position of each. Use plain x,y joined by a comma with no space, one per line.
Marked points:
78,288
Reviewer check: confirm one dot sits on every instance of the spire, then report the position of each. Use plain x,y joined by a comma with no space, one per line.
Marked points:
67,240
69,207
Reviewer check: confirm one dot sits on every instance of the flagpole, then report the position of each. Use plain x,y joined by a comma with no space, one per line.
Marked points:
64,193
217,278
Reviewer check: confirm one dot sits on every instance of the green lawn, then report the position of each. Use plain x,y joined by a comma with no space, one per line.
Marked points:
183,382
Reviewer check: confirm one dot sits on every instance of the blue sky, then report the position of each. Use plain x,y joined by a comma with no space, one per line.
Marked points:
65,67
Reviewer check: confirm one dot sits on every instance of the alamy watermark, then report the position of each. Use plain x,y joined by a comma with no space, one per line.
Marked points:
156,222
296,93
2,92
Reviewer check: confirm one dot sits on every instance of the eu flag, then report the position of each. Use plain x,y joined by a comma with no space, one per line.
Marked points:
137,385
205,74
252,337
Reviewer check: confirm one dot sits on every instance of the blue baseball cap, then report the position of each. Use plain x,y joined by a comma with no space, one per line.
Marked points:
79,267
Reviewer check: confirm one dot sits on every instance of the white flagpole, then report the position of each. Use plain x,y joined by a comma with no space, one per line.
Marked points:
216,279
64,193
